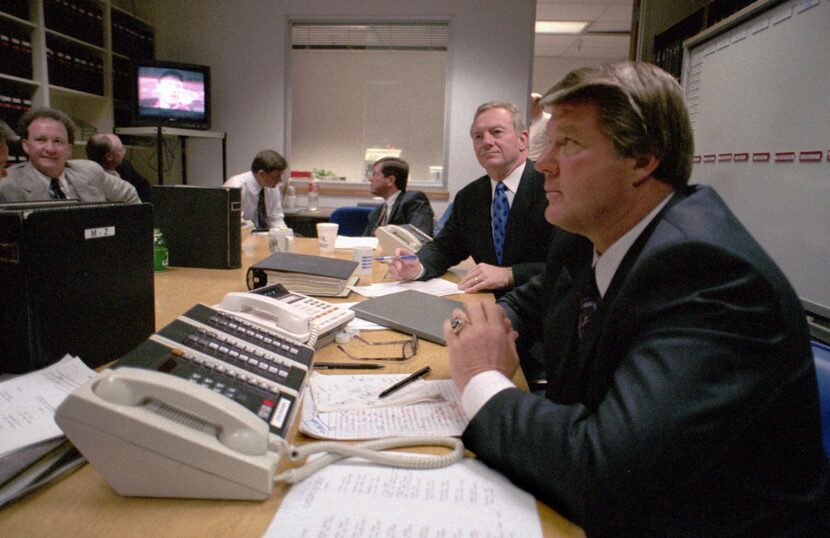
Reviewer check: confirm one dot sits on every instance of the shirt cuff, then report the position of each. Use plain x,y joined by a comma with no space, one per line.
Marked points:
481,388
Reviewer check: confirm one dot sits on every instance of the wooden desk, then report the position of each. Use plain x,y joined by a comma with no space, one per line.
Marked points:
82,504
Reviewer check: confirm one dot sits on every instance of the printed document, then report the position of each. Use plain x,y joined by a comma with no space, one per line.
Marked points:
358,499
434,286
27,414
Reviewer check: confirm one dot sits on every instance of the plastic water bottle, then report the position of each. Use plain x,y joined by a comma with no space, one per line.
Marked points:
290,197
313,195
160,252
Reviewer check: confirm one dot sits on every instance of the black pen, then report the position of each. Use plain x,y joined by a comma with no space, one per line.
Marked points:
404,382
347,366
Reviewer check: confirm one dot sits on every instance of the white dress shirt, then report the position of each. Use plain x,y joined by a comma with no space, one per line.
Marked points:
485,385
250,195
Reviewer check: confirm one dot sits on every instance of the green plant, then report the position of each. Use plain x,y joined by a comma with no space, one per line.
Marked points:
322,174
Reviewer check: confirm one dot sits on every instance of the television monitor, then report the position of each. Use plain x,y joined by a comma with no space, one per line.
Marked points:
171,94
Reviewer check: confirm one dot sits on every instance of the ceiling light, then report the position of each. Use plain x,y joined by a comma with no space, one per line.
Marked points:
560,27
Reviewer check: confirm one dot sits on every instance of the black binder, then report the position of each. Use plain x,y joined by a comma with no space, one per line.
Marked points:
75,278
201,225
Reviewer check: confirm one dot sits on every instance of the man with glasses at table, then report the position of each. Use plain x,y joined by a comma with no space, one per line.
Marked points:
48,135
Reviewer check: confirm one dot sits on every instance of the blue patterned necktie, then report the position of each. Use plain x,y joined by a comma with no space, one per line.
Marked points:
55,190
500,212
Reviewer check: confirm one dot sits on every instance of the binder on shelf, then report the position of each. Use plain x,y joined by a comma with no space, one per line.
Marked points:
303,273
201,225
411,312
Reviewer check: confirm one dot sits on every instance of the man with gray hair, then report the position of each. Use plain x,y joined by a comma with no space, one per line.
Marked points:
6,136
498,219
682,396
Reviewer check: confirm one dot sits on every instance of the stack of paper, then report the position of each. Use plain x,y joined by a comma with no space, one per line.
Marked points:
348,407
33,450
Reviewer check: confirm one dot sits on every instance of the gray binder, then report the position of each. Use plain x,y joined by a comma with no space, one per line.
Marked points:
412,312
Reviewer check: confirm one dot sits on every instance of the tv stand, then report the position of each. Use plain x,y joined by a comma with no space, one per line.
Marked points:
183,134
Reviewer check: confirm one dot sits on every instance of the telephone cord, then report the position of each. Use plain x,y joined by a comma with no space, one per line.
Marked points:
313,334
370,451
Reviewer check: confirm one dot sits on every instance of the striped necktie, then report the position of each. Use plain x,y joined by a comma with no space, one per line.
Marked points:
500,213
261,213
588,303
55,190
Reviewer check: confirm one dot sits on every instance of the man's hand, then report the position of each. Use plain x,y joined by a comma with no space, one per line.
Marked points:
485,277
484,341
404,269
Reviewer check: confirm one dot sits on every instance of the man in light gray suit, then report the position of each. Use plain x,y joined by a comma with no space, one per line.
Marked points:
48,135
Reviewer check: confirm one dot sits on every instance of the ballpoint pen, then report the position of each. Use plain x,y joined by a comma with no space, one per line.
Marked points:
404,382
390,259
347,366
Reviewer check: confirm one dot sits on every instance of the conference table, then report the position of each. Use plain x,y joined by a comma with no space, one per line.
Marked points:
82,504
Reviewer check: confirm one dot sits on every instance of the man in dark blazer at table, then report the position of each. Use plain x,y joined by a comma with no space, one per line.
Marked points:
682,397
388,180
500,141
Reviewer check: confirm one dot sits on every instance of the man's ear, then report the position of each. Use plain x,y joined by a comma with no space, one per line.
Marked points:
644,167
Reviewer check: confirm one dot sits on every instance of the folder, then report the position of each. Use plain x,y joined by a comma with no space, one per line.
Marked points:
410,311
303,273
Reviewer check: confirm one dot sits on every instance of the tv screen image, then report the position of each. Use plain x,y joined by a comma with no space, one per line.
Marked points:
173,94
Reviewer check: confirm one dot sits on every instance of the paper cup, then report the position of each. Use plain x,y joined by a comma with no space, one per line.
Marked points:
327,236
363,257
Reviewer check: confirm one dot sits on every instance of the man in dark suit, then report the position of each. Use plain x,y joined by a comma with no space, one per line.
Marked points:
682,397
388,180
500,143
107,150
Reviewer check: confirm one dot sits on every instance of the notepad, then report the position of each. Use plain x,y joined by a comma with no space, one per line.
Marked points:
411,312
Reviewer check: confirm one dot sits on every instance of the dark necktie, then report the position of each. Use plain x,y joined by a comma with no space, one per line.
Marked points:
55,190
500,212
261,213
588,302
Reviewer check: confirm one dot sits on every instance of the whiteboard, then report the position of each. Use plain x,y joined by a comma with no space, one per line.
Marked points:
758,91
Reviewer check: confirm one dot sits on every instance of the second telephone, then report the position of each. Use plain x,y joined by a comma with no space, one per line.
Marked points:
405,236
298,317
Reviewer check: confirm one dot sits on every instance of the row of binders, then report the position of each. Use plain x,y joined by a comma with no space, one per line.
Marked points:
15,52
72,67
81,19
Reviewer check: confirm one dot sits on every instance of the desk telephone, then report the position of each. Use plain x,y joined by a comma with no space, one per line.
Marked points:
290,314
406,236
202,409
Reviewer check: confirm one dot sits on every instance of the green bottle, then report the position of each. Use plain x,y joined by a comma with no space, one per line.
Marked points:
160,253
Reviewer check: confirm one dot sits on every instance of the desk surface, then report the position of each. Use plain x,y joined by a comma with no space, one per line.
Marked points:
82,504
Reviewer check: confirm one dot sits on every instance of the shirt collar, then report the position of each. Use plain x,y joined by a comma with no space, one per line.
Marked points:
511,181
391,200
607,264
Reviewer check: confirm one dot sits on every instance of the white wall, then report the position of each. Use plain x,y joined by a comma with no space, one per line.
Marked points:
246,43
548,70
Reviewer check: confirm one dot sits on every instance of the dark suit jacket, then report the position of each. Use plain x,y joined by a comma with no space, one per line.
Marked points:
691,407
410,207
129,174
468,231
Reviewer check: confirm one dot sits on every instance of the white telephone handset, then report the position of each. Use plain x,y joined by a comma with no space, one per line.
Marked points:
174,438
395,236
293,315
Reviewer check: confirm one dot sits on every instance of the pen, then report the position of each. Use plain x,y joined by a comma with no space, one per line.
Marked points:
404,382
390,259
347,366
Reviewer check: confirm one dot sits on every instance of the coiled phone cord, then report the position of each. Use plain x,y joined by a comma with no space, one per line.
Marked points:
371,451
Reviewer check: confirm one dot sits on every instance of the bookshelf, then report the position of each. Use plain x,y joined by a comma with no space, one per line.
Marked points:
74,55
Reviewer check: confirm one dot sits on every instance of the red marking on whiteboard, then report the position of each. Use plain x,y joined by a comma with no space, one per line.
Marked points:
741,157
784,156
696,158
760,157
709,158
724,157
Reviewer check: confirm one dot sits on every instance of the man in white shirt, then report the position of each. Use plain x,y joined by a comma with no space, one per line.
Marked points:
261,202
681,392
538,139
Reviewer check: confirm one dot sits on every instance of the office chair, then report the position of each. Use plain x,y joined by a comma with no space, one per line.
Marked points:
351,220
442,221
821,353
